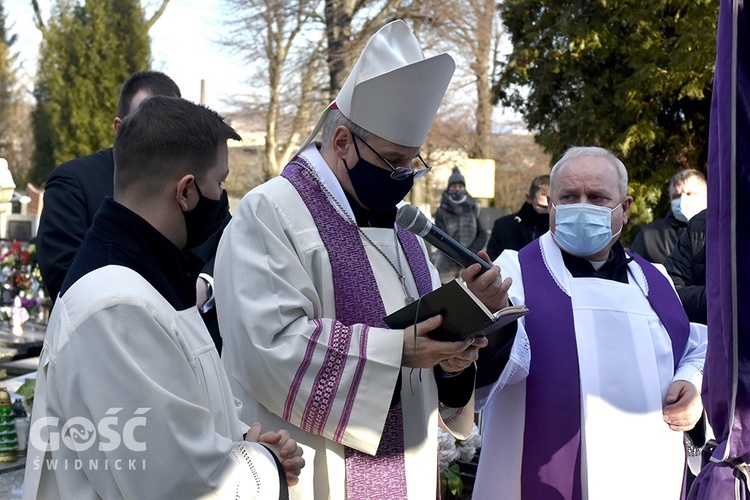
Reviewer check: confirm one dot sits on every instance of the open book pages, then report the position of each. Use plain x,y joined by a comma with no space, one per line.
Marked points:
506,311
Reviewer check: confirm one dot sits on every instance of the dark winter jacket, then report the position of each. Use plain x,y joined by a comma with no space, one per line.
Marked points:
515,231
687,267
655,241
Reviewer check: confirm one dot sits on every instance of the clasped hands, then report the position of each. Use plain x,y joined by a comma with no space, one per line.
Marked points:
453,357
284,447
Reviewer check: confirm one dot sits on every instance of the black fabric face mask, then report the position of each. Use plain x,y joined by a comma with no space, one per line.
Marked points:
375,187
205,219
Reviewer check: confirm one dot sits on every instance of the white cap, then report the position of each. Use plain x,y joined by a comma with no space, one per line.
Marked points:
393,91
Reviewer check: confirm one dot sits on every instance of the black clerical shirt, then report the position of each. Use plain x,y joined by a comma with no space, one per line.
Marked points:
119,236
615,269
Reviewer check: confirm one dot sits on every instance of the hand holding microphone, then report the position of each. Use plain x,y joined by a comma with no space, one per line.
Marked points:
491,289
410,218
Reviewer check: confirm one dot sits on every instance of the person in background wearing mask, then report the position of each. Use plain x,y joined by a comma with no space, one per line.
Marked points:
605,367
458,217
128,366
688,194
515,231
309,266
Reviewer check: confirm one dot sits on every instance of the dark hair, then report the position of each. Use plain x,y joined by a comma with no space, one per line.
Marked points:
166,137
154,82
539,182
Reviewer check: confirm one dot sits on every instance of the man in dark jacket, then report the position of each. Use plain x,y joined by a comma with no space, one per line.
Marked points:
76,189
458,216
515,231
687,194
686,266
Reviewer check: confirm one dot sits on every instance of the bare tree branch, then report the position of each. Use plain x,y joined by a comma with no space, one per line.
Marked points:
38,21
304,110
156,15
469,28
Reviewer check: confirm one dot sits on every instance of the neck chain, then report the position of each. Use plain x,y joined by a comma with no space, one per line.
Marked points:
399,270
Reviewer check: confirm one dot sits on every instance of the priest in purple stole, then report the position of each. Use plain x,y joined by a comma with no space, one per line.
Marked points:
312,262
590,400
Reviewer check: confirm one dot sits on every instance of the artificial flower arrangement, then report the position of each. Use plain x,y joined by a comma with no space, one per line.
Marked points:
450,452
22,295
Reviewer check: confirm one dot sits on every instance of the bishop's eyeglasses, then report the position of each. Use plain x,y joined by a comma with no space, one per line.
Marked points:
399,173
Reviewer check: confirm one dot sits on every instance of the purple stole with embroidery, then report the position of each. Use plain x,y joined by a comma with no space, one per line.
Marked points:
551,465
358,300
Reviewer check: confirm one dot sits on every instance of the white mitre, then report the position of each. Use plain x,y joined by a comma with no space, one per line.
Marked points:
393,91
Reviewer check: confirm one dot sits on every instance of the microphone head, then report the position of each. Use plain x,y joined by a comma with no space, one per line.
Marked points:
410,218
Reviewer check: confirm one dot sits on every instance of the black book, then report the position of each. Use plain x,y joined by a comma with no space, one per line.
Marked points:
464,315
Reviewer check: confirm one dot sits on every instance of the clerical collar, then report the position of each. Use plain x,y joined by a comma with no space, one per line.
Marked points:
371,218
615,269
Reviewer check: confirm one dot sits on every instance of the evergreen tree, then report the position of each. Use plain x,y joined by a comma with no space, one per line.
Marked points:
88,50
631,76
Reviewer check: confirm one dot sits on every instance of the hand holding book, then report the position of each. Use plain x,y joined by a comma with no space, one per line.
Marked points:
421,351
464,315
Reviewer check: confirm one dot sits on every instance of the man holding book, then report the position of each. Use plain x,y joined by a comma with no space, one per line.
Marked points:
603,370
311,264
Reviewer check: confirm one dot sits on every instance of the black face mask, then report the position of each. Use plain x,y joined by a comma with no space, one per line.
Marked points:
205,219
375,187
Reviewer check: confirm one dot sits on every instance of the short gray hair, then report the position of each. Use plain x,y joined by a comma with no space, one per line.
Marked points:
334,120
580,151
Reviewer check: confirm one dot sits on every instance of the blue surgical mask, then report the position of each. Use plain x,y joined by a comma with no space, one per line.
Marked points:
582,229
686,207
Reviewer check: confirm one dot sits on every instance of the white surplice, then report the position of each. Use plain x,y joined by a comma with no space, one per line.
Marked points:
132,401
626,367
276,307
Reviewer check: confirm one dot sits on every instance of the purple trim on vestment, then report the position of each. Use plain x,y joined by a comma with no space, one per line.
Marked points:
382,477
355,383
551,466
667,305
299,376
415,258
318,407
357,300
